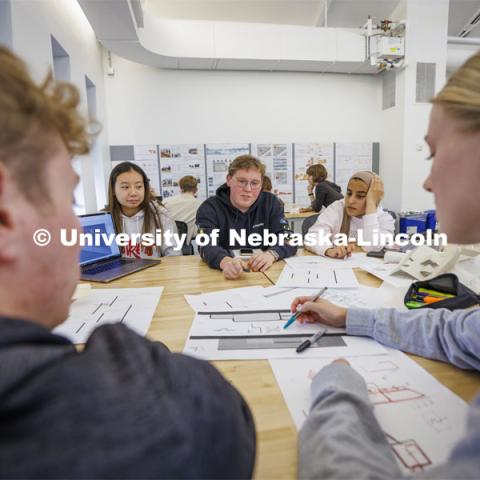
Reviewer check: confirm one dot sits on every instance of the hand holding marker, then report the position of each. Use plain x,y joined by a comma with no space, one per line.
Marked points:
299,311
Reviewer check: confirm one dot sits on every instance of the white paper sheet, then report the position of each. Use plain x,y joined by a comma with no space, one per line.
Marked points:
356,260
219,348
414,410
361,297
247,335
133,307
226,300
317,277
467,271
384,272
275,298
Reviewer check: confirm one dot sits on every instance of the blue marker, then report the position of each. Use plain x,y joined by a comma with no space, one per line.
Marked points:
298,312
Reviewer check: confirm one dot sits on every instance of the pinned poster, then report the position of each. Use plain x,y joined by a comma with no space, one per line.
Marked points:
351,158
218,159
277,158
307,154
177,161
146,157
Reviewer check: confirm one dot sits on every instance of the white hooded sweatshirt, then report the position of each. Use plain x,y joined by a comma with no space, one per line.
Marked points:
330,222
134,225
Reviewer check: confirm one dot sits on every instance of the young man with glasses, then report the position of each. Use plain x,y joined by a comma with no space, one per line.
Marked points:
240,205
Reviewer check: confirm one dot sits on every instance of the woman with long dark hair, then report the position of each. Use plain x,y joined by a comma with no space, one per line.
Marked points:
134,211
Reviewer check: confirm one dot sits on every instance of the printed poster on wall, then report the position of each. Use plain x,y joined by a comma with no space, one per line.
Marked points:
218,157
145,156
307,154
177,161
277,158
351,158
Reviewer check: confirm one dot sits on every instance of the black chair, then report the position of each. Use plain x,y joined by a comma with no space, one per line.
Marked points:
182,228
308,222
395,219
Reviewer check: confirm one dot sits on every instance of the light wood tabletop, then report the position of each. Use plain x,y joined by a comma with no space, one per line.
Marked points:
293,216
464,383
276,432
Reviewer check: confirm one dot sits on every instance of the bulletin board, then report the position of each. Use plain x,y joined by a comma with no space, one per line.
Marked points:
177,161
286,164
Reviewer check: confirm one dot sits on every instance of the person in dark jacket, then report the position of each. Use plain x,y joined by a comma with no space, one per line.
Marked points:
123,407
240,205
321,192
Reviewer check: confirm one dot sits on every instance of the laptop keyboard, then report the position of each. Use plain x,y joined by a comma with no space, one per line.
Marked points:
106,266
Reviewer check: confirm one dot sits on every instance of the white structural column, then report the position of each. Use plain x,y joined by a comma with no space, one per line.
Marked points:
403,149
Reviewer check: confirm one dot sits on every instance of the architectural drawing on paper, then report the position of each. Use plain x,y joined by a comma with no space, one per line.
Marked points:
381,366
382,395
409,454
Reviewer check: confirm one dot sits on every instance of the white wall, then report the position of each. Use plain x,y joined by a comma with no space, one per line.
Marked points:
391,147
403,164
148,105
5,23
32,24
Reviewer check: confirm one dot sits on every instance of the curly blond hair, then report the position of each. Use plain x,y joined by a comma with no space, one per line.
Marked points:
31,116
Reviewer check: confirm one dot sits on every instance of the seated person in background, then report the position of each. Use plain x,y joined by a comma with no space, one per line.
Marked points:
135,211
360,210
241,205
155,196
184,207
267,187
123,407
321,192
341,437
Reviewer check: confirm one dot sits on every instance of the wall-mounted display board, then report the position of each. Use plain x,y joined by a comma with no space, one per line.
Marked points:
218,158
278,160
307,154
286,164
145,156
351,158
177,161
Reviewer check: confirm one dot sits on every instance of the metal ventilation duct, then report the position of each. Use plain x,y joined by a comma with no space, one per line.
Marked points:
182,44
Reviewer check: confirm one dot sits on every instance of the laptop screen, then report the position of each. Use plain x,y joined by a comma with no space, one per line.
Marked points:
96,224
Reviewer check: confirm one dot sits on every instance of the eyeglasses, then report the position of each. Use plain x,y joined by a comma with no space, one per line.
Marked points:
254,184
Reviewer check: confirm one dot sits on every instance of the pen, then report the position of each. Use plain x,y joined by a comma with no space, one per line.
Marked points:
310,341
298,312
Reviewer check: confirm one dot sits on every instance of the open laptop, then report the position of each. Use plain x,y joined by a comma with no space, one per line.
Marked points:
104,263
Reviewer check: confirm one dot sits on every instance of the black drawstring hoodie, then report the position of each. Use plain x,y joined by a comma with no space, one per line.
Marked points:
123,407
218,213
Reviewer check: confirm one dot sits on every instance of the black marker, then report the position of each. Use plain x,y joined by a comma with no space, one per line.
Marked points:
313,339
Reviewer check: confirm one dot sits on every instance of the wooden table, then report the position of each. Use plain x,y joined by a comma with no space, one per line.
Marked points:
276,432
464,383
294,217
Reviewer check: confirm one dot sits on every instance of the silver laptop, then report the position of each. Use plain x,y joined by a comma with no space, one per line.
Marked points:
104,263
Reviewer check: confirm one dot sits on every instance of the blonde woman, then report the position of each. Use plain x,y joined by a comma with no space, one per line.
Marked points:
341,438
359,210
